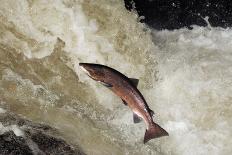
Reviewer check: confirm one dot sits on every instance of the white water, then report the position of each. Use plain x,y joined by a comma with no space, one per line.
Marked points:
195,84
17,131
185,76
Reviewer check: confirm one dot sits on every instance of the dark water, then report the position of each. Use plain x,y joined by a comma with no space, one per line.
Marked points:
174,14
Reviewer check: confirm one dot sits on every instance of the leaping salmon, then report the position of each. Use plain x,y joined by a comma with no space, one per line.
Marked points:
126,89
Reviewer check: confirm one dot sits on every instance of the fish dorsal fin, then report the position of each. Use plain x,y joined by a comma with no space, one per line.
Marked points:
124,102
151,112
106,84
134,81
136,118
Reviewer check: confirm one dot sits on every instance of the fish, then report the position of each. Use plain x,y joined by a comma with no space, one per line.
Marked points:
126,89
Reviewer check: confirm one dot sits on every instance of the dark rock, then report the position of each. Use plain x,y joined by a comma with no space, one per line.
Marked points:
11,144
39,139
56,145
174,14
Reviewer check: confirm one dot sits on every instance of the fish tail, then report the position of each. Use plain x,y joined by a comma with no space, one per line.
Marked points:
154,131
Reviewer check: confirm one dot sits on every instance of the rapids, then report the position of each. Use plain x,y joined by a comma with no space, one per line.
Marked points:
185,76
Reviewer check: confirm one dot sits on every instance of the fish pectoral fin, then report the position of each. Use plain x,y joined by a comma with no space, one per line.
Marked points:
124,102
136,118
106,84
134,81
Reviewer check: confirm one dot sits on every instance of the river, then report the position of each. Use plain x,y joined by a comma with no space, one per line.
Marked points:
185,76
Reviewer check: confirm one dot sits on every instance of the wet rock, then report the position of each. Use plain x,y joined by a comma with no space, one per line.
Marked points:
12,144
19,136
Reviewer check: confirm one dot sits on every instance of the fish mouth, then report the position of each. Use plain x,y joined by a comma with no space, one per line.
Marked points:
83,68
85,71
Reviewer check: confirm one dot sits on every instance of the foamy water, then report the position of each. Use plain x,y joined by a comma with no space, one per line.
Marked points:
185,76
195,84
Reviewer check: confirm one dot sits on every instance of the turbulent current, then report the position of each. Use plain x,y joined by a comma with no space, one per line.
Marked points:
185,76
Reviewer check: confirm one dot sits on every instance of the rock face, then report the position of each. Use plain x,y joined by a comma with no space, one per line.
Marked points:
173,14
11,144
22,137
